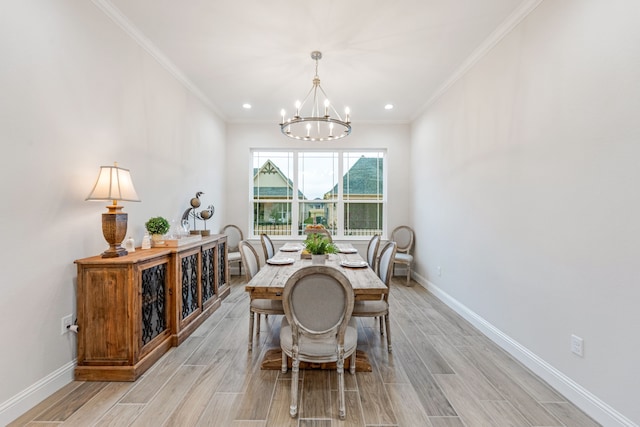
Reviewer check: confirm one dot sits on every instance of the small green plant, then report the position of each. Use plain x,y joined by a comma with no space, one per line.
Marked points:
319,244
157,225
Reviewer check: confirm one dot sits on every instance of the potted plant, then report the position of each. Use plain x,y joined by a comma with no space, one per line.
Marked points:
319,246
157,227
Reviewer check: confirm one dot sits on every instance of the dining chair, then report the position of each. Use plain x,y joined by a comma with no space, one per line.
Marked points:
267,247
256,305
318,328
326,232
372,251
404,237
234,237
322,230
380,308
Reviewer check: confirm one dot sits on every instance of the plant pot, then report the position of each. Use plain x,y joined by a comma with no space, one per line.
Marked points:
205,232
157,239
318,259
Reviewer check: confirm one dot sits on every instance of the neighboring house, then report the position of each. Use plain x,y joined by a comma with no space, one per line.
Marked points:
363,182
270,184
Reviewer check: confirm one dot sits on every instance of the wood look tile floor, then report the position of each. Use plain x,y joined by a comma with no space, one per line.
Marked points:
442,373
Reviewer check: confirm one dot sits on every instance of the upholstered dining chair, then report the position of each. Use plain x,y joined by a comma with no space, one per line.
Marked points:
372,251
318,328
267,247
257,305
380,308
326,232
234,236
404,237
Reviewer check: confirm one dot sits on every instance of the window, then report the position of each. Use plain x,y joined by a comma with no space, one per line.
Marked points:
342,190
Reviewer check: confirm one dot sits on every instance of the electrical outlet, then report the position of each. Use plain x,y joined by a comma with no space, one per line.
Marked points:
577,345
66,322
439,271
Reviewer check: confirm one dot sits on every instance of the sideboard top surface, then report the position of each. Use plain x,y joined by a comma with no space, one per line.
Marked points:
143,255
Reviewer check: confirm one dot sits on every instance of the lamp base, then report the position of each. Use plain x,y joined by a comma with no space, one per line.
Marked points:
114,252
114,229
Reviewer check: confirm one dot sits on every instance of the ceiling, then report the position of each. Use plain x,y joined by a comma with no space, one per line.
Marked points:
258,52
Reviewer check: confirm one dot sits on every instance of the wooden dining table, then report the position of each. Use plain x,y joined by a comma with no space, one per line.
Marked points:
269,282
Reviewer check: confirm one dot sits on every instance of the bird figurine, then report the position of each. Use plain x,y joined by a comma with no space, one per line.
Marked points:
195,201
206,214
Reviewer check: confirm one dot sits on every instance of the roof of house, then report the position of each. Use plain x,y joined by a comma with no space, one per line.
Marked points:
274,192
364,178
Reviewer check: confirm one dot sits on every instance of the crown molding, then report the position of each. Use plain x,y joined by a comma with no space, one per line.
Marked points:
494,38
123,22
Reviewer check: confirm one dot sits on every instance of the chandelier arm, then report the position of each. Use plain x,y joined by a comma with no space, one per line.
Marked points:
306,97
330,104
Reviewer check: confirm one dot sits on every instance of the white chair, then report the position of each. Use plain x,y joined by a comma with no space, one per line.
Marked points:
404,237
256,306
372,251
267,247
380,308
234,237
318,301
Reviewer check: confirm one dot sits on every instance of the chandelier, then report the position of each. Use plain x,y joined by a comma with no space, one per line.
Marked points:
321,122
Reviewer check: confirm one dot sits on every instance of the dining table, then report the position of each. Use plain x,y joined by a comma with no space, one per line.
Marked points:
269,282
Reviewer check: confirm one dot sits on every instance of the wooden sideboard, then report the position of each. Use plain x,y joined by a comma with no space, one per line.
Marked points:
132,309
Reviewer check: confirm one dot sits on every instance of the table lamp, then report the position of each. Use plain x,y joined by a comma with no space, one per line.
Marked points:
114,184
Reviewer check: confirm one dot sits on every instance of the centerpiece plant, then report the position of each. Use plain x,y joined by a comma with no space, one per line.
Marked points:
319,246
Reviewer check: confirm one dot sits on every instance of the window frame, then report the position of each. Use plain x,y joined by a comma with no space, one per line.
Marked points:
340,201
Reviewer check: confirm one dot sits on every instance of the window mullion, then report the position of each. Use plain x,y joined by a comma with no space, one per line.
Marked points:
295,202
340,201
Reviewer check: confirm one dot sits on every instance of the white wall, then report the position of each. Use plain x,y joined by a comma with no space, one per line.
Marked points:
243,137
77,93
526,173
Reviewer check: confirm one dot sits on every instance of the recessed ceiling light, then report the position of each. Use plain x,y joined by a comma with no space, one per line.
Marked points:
388,107
246,106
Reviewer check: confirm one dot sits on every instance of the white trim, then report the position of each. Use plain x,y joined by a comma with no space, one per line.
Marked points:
132,31
494,38
581,397
36,393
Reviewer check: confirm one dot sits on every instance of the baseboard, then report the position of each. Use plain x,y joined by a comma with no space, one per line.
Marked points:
36,393
578,395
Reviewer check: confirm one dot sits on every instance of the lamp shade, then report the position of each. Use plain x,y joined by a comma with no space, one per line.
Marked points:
114,183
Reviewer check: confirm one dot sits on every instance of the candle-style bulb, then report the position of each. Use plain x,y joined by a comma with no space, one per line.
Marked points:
297,108
326,108
282,113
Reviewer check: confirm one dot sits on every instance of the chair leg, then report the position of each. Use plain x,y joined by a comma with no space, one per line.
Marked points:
258,324
408,274
381,320
295,367
342,411
386,321
251,329
284,363
352,365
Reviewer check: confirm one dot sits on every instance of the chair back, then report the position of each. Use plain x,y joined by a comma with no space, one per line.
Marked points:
250,259
318,302
372,250
267,247
385,268
234,236
326,232
403,236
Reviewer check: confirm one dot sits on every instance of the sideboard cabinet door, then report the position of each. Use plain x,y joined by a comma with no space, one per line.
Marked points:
123,316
